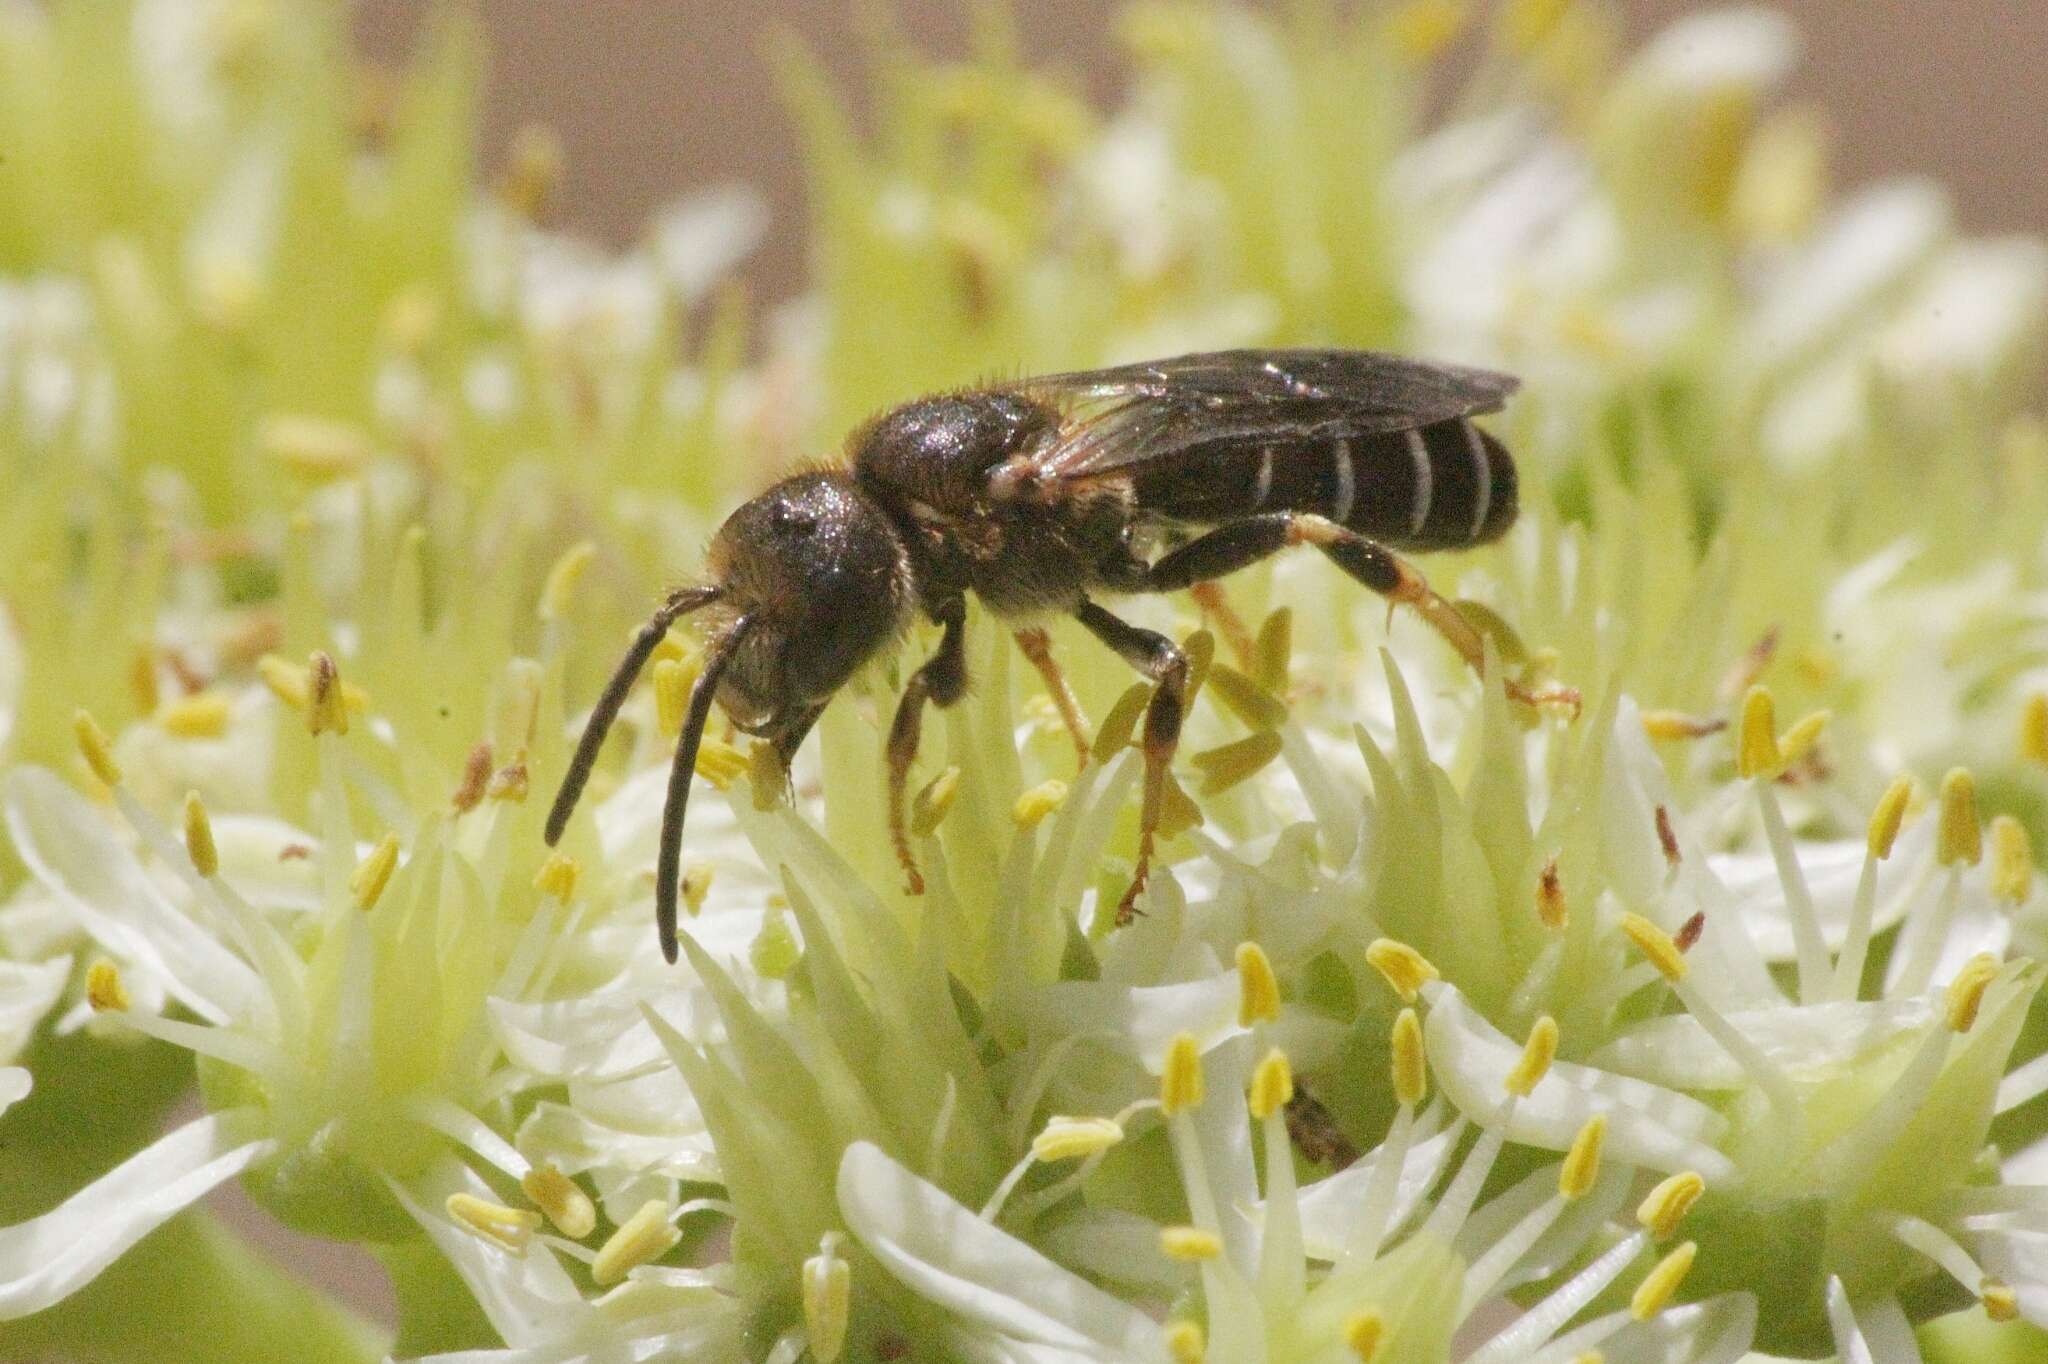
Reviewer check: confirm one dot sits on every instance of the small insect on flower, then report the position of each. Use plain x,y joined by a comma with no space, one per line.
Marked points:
1036,496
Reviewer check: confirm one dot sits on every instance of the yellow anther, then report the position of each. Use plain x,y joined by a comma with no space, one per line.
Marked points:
93,743
511,1228
1246,699
1799,740
199,844
557,877
1406,969
1959,838
929,807
2000,1302
1180,1080
1035,804
142,681
562,1199
1537,1054
767,774
1272,1085
104,989
721,764
1528,24
1550,905
326,707
287,680
1678,724
1272,650
1582,1163
1075,1138
373,873
1655,944
315,448
1410,1064
1184,1341
646,1236
1966,992
1258,992
828,1300
1667,1204
1232,763
2012,860
2034,729
1114,735
511,782
1660,1283
1189,1245
1589,1357
1365,1333
696,885
1421,29
1756,745
203,715
562,579
1889,816
672,680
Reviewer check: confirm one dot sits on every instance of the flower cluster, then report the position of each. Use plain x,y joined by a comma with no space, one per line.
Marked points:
1451,1027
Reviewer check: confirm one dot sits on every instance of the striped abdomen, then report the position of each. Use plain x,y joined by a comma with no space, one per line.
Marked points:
1435,487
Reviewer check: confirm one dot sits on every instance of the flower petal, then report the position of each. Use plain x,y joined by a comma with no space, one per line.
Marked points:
14,1086
27,990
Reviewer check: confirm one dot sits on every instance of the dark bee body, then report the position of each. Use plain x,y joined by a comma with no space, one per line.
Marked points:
1034,496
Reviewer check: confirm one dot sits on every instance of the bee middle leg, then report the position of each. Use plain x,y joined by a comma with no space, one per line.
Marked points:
942,679
1160,659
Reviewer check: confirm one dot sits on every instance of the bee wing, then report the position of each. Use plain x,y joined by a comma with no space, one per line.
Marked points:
1120,418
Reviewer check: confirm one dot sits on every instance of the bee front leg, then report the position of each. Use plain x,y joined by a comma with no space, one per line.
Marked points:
1160,659
942,680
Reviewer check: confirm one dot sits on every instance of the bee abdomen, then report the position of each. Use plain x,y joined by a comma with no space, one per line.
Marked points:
1432,487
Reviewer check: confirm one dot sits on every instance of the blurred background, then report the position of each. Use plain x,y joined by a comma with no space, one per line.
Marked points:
653,97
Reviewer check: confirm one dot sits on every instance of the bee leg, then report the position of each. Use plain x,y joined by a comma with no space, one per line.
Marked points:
1160,659
1215,606
1037,646
943,680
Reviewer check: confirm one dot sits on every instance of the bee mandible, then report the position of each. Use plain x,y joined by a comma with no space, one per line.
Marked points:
1040,495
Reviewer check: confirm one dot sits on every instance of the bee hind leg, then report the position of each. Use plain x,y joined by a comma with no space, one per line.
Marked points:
1037,646
1160,659
942,679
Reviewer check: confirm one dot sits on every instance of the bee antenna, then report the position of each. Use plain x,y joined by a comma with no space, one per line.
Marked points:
667,865
679,604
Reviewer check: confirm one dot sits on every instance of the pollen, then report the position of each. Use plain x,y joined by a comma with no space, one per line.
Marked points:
1189,1245
828,1300
511,1228
1890,814
511,782
1666,1205
1272,1085
373,873
1537,1054
1961,838
671,695
1582,1162
562,579
1365,1333
326,706
2034,729
1550,905
562,1199
203,715
1756,745
1075,1138
1185,1343
199,844
1966,992
1660,1283
1180,1080
645,1236
557,877
104,989
1034,805
930,806
1656,945
2012,861
1410,1067
1258,992
2000,1302
93,744
1406,969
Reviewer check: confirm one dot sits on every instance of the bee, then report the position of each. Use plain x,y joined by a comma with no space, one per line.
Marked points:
1041,496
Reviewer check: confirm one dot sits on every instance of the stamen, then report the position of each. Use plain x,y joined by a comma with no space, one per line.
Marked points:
199,844
1410,1060
1885,821
1406,969
1180,1081
326,708
1121,722
696,886
828,1299
1550,906
1189,1245
1668,1203
557,877
671,695
2034,729
646,1236
1656,946
2012,861
2001,1303
562,579
1799,740
1272,1086
93,744
1185,1343
287,681
1034,805
1537,1054
1677,724
1229,764
1365,1332
1756,748
929,807
1966,992
1889,816
1074,1138
104,989
1581,1166
562,1199
366,883
721,764
1247,700
1807,939
1258,992
510,782
1660,1283
476,775
202,716
1960,839
510,1228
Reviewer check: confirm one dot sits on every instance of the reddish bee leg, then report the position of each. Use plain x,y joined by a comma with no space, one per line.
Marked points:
1037,646
1160,659
1215,606
942,680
